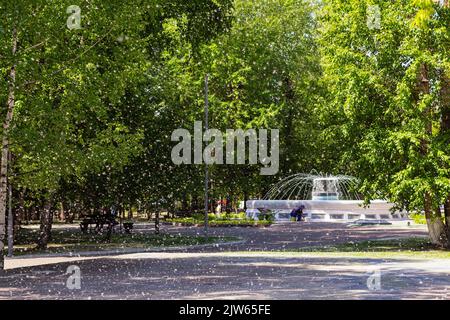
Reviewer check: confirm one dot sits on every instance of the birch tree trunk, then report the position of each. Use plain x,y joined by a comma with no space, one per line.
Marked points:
46,225
5,149
436,228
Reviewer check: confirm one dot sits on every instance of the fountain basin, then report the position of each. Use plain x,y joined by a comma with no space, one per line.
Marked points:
326,210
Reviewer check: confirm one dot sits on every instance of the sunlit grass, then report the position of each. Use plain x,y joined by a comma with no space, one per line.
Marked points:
396,245
222,222
75,241
420,248
354,255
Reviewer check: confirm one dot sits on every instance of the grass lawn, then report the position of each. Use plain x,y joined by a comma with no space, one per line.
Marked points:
220,222
64,241
395,248
419,255
407,244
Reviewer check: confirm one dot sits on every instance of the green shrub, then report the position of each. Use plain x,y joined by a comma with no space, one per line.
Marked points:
240,215
201,216
419,218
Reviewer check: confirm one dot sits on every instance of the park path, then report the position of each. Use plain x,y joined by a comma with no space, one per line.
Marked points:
282,236
232,275
249,270
291,236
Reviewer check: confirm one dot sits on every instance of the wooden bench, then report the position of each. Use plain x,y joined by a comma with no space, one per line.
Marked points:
99,222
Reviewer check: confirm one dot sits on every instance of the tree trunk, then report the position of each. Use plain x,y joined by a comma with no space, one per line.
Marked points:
46,225
27,211
71,212
434,235
245,200
228,206
148,211
447,221
62,213
447,217
184,203
35,213
5,149
157,221
10,219
20,212
130,213
436,228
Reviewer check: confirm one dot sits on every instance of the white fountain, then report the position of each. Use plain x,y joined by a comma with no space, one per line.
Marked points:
323,197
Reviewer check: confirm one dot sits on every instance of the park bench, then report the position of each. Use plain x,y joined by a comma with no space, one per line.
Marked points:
97,223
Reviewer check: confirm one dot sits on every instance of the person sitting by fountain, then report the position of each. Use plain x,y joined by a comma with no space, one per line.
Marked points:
294,215
300,213
297,213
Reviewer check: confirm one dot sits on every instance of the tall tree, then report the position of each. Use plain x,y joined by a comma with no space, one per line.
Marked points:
71,72
387,98
264,74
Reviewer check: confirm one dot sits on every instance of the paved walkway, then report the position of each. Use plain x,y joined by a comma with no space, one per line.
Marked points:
288,236
227,272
